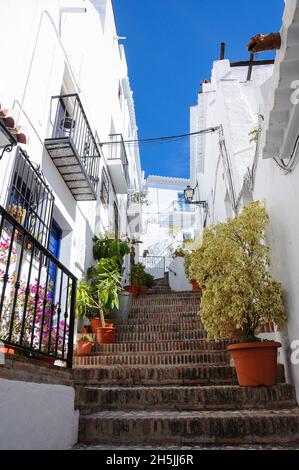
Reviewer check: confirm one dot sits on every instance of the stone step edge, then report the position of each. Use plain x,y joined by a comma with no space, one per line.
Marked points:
155,353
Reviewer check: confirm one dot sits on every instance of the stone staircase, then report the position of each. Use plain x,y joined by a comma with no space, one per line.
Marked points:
164,384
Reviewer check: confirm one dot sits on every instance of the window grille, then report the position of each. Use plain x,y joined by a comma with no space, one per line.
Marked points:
30,200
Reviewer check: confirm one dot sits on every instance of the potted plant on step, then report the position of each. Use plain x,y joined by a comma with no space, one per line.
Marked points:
141,280
100,294
240,294
84,345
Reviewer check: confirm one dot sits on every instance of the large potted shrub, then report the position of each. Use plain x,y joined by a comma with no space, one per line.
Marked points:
240,293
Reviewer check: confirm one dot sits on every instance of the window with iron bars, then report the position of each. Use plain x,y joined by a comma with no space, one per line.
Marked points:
30,200
105,187
116,220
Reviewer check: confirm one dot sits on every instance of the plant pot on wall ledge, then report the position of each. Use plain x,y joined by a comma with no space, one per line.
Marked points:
8,350
255,363
264,42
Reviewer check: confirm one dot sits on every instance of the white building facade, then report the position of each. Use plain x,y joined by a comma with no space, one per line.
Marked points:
168,220
231,171
65,97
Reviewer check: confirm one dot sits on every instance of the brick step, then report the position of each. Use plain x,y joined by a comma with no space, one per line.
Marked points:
159,375
169,310
162,317
161,320
220,358
169,297
159,327
196,427
156,375
159,336
165,346
228,397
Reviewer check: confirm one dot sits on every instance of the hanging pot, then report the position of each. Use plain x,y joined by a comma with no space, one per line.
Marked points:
255,363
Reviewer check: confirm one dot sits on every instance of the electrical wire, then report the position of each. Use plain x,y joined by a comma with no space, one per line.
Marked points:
162,139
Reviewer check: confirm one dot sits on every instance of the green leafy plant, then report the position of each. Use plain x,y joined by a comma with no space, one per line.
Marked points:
234,266
107,246
139,198
86,337
140,278
97,296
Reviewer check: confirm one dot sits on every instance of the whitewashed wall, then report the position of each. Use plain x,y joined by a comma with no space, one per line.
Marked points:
230,101
35,60
96,70
37,416
164,226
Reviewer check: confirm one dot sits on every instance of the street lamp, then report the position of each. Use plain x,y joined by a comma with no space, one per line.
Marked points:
7,141
189,195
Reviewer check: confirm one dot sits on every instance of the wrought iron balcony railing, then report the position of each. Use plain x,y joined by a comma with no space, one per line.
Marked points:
73,147
37,295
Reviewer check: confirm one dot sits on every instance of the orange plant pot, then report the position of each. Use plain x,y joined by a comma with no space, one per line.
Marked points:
106,335
132,289
8,350
196,286
143,290
95,324
84,348
255,363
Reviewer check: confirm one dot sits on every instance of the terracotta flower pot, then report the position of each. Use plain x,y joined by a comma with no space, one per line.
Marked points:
95,324
132,289
9,350
84,348
196,286
264,42
105,335
143,290
255,363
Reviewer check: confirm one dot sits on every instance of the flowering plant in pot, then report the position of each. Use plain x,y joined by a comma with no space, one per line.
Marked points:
240,294
84,345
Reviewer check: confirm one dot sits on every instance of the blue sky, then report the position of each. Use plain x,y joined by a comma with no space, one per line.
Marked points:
170,48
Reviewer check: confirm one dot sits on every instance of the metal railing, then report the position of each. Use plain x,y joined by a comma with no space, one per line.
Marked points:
153,262
181,206
37,295
118,151
71,122
30,200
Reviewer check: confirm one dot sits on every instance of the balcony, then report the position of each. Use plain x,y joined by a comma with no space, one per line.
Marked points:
73,147
118,164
